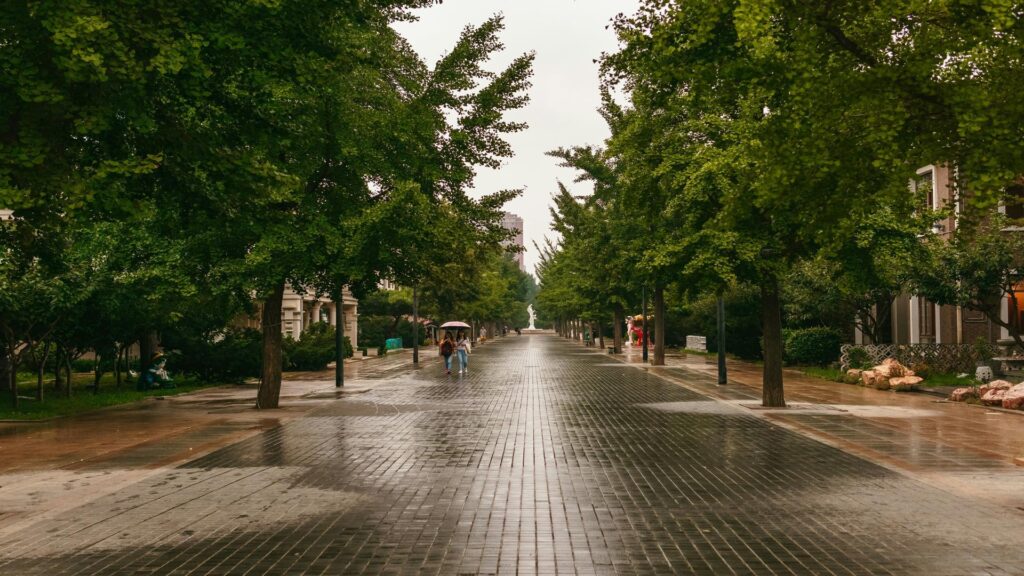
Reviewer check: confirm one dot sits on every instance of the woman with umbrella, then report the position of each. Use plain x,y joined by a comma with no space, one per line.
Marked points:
462,347
447,348
448,345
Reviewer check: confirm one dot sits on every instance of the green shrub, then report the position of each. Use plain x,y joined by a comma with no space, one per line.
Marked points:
233,355
742,322
921,369
815,346
984,350
859,358
314,350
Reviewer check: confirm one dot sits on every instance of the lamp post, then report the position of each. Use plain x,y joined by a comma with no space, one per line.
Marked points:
415,327
643,327
339,339
721,340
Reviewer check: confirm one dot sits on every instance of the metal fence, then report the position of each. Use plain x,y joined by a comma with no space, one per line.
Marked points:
957,358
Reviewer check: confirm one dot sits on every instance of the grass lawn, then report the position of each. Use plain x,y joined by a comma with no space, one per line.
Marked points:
948,380
823,372
82,397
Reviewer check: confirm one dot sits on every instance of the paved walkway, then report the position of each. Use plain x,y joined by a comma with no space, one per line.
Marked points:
546,458
969,449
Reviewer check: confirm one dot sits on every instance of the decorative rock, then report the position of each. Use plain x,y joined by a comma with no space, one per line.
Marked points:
993,397
867,377
881,383
994,385
854,373
905,383
962,394
891,368
1013,399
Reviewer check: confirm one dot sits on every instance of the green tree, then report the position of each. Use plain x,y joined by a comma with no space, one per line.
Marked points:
979,268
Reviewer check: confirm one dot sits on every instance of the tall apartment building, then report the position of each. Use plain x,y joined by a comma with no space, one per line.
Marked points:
515,223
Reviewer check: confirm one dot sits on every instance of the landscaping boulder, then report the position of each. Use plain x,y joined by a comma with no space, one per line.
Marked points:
963,393
891,368
1013,399
992,394
881,382
854,373
904,383
993,397
867,377
994,385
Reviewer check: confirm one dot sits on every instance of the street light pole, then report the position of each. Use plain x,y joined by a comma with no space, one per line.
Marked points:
721,340
415,327
339,339
643,306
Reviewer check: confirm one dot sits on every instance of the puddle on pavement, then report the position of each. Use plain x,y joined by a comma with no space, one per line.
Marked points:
800,408
694,407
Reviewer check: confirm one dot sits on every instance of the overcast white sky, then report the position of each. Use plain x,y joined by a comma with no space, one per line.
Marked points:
567,36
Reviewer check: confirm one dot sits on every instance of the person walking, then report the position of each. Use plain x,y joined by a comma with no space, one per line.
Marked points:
447,349
463,347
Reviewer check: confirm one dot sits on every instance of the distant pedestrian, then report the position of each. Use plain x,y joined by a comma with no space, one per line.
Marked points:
586,337
447,349
483,334
463,348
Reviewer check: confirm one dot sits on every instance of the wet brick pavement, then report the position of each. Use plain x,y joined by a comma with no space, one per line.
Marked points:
545,459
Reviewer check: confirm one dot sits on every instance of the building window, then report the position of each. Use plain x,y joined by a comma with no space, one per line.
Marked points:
926,316
923,187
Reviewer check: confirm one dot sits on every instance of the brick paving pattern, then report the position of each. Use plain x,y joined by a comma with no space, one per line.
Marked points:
546,458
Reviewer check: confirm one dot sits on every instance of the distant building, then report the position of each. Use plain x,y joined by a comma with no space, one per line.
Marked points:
914,319
515,224
6,214
300,311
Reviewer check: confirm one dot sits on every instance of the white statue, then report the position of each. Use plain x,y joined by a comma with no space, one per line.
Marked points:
533,317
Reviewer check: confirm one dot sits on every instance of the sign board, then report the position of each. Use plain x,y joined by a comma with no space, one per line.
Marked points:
697,343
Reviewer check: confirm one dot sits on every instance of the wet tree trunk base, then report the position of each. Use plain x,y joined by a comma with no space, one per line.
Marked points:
772,395
269,394
618,320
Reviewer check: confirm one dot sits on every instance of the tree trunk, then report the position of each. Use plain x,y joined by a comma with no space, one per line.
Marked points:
12,383
772,395
97,374
5,367
42,372
120,351
600,335
67,368
147,348
58,364
270,383
617,319
659,327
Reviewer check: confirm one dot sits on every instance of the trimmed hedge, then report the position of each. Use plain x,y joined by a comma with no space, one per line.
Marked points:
813,346
233,356
315,350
